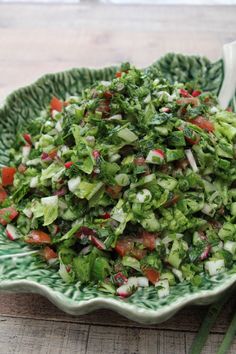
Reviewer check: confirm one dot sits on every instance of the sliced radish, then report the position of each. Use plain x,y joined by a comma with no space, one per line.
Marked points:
28,212
133,282
143,282
155,156
97,243
205,253
27,138
120,279
191,160
12,232
74,183
124,290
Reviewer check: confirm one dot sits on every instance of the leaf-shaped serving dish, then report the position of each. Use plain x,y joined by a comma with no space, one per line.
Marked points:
22,271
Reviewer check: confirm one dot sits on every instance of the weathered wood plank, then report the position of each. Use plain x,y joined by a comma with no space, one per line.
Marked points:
41,337
213,343
35,306
26,336
52,38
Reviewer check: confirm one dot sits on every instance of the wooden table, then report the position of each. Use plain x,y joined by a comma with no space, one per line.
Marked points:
35,39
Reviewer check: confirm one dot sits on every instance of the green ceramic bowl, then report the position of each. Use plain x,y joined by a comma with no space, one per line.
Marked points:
22,271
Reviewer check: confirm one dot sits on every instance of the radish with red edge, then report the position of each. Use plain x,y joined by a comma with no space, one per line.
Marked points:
96,154
124,290
156,156
97,243
120,279
27,138
12,232
184,93
68,164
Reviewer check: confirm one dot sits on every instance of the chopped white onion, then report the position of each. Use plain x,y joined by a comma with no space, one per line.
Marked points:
74,183
215,267
143,282
191,160
163,288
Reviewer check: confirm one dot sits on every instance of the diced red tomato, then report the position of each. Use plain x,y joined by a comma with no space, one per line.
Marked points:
189,140
106,216
229,109
124,247
8,176
108,95
38,237
68,164
152,274
85,231
114,191
196,93
3,194
7,215
118,74
27,138
203,123
149,240
48,253
120,279
56,104
138,253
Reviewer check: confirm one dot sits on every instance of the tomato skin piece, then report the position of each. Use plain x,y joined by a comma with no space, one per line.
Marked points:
138,253
3,194
184,93
38,237
203,123
108,95
53,153
152,274
196,93
149,240
120,279
124,247
48,253
118,74
22,168
68,164
56,104
7,215
114,191
8,176
172,201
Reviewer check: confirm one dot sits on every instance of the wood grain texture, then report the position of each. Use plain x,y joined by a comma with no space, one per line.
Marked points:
49,38
36,39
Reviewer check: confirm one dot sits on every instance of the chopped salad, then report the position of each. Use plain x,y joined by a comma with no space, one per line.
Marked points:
130,184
